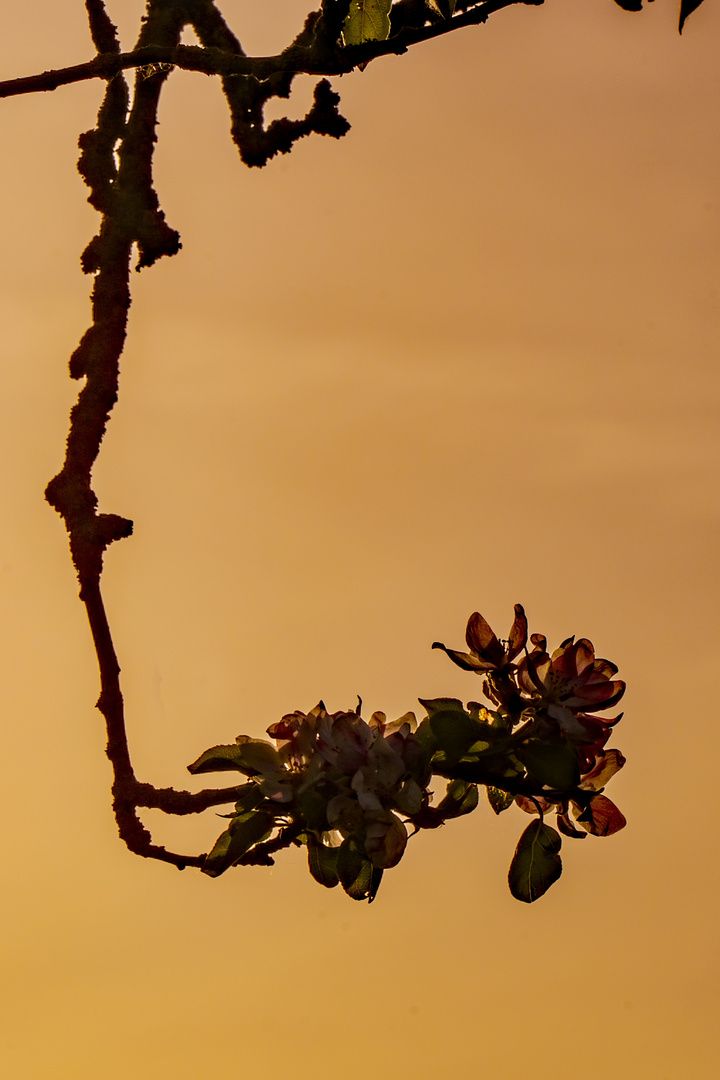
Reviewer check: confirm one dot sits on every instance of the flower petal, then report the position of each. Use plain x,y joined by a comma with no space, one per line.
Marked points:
600,817
518,633
607,764
466,661
482,640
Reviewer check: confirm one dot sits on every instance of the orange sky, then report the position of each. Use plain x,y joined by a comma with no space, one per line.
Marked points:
462,358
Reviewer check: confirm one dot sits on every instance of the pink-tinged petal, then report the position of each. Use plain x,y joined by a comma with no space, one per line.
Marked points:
591,677
409,797
605,696
564,646
601,817
344,741
518,633
563,665
566,826
277,792
384,766
407,719
284,730
607,764
597,732
606,668
345,814
584,655
568,721
481,639
466,661
370,802
528,805
533,671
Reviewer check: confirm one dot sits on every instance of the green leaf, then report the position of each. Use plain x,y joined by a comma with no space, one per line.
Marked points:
354,869
551,764
420,769
218,759
498,799
441,704
445,7
456,731
460,798
244,832
322,863
375,879
259,756
313,808
536,864
251,797
249,756
367,20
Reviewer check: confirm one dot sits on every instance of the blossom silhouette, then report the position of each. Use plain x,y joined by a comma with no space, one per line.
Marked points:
353,791
487,652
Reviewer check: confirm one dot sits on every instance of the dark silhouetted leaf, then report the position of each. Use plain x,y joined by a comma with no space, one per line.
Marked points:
460,798
427,740
499,800
375,879
244,832
259,756
354,869
441,704
218,759
551,764
630,5
249,756
322,863
457,733
686,8
251,797
313,807
536,864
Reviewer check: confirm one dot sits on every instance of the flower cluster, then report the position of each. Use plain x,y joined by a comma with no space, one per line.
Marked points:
344,785
348,789
547,704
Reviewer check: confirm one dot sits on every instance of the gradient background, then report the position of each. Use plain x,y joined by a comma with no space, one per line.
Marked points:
464,357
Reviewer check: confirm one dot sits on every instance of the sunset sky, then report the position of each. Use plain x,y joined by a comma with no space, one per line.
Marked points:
464,357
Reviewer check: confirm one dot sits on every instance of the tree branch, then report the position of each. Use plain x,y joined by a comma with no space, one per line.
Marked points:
116,164
319,58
